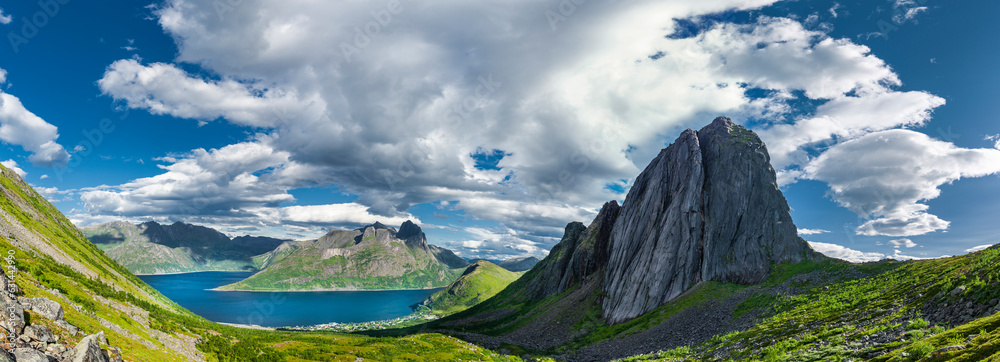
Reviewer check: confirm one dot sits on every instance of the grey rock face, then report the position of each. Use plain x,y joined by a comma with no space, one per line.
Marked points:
89,350
707,208
46,307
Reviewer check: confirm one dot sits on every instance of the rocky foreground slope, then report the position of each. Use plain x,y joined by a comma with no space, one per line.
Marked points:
374,257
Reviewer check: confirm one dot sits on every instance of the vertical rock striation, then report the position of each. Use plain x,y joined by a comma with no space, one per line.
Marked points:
707,208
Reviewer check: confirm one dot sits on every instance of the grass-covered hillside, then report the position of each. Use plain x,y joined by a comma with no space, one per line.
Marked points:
97,296
370,258
55,261
479,282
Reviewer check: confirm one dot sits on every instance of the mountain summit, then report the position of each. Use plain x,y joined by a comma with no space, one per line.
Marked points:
707,208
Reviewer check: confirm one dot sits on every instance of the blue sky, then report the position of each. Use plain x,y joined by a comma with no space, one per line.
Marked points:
495,123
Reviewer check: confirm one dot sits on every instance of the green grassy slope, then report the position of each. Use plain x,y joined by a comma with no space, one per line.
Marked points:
928,310
480,281
55,261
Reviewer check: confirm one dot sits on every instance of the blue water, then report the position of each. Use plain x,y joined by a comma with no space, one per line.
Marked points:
280,309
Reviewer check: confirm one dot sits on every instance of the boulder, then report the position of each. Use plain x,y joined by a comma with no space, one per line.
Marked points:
89,350
45,307
40,333
11,315
29,355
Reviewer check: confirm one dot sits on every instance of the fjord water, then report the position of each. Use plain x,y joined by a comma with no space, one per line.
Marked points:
280,309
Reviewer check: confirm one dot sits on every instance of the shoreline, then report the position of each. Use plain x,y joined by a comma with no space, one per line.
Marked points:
192,272
247,326
216,289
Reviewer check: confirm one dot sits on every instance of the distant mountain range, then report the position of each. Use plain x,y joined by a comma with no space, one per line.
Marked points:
374,257
152,248
515,264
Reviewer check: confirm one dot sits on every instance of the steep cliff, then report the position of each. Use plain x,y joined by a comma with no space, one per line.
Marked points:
707,208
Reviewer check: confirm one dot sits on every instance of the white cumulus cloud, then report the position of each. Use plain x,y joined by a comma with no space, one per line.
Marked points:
18,126
902,242
841,252
4,19
804,231
888,175
978,248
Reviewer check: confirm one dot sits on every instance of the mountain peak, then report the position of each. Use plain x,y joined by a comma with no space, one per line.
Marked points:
719,123
692,216
377,225
408,229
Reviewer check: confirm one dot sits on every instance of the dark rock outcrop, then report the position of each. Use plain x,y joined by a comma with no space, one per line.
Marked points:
581,252
412,235
707,208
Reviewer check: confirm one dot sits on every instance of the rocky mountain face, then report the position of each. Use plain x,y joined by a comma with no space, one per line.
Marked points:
707,208
369,258
581,253
152,248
